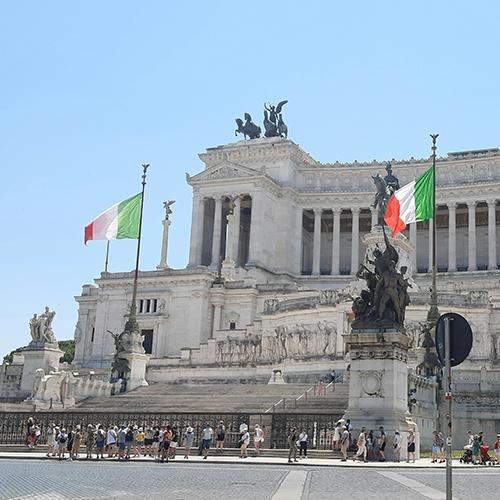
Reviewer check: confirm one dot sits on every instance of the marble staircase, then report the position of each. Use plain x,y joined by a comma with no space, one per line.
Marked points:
244,398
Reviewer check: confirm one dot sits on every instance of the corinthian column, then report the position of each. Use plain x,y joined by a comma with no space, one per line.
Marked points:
336,242
472,236
236,230
216,234
299,215
164,245
317,242
413,241
492,235
355,240
452,237
197,224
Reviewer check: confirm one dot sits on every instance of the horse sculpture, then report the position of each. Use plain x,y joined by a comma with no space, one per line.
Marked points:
381,196
248,128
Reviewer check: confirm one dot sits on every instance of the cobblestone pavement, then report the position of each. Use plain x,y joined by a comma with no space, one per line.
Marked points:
53,480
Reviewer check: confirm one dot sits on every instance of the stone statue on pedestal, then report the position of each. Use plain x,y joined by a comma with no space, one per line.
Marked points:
166,205
273,120
41,328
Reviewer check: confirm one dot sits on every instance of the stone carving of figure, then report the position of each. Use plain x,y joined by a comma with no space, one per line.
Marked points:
166,205
41,327
391,181
37,383
273,120
387,296
248,128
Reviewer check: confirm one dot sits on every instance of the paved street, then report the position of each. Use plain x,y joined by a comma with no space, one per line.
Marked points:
53,480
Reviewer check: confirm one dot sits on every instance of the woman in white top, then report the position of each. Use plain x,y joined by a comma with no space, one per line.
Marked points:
336,436
111,441
258,439
51,440
244,441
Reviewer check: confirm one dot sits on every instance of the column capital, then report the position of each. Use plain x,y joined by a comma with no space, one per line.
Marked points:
491,202
355,210
471,204
318,211
336,210
452,205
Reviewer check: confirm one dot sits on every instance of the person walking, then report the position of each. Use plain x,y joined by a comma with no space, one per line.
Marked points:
302,443
244,442
188,441
129,440
411,446
141,437
166,439
361,444
206,440
397,446
344,443
258,439
292,445
436,449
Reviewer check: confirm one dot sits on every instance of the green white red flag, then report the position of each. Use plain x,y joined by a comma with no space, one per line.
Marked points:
412,203
118,222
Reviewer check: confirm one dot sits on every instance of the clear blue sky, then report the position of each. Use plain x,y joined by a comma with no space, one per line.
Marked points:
90,90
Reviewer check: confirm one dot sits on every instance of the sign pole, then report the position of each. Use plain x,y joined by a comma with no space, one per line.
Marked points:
448,397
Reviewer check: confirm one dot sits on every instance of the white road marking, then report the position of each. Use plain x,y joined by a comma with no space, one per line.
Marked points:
292,486
416,486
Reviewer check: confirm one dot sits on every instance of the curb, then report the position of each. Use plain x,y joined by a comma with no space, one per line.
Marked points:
219,460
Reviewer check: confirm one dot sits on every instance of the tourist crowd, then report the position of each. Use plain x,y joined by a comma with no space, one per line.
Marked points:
161,442
125,441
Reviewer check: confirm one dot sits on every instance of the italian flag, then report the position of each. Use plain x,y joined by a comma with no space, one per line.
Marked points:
118,222
412,203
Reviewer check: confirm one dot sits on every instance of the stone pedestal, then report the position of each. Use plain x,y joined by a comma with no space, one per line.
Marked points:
137,362
378,383
45,356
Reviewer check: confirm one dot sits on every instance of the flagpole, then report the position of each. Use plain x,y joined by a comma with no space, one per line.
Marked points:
107,256
434,312
131,326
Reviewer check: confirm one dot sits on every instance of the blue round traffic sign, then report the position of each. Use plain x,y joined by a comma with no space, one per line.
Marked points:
460,338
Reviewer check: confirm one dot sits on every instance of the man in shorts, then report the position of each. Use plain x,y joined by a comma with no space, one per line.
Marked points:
206,440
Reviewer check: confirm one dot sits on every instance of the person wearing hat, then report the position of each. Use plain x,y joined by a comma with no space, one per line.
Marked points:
62,440
188,441
344,443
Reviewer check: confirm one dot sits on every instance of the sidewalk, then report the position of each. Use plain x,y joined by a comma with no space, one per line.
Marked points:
424,463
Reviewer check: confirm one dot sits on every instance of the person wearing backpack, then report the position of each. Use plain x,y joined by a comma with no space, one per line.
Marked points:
100,440
62,439
129,439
